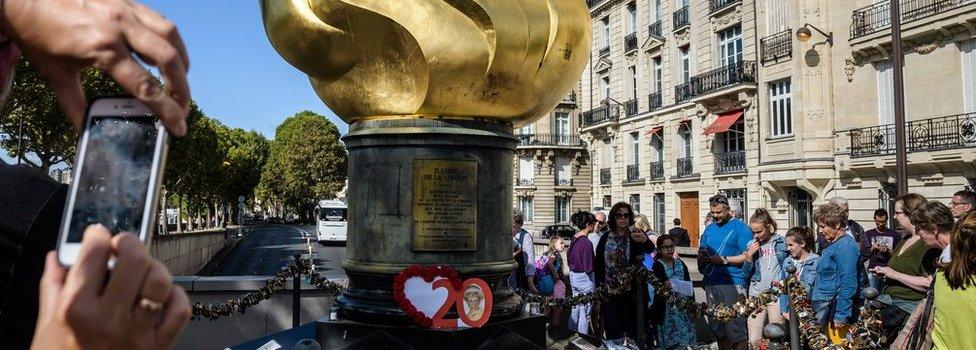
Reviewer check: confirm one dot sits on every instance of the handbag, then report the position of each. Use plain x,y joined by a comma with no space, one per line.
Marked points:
917,333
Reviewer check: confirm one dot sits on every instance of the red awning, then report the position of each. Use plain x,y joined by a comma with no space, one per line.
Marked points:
723,122
654,130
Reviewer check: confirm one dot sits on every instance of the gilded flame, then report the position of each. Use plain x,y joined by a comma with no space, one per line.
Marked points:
504,60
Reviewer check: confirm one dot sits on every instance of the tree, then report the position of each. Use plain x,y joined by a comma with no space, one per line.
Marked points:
194,163
47,134
245,153
306,162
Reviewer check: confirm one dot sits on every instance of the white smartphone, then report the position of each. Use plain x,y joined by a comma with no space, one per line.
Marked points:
117,174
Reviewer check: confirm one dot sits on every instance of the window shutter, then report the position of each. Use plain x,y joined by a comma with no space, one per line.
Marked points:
969,75
886,107
526,168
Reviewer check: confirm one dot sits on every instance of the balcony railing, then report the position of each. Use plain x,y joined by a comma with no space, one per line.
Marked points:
605,176
657,170
633,172
592,3
605,52
571,140
564,182
681,18
630,42
630,107
777,46
654,101
526,182
718,5
654,29
877,17
599,115
716,79
935,134
685,167
730,162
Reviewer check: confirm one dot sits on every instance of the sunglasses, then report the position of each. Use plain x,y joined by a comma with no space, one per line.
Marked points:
670,246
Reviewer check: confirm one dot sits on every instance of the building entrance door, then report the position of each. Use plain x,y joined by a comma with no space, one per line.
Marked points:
690,218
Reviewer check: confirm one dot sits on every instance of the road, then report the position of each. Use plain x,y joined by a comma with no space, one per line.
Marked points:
268,248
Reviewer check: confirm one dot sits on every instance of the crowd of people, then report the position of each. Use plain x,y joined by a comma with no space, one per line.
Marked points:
924,269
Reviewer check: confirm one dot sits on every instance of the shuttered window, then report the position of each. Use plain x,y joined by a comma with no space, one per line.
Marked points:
562,171
969,75
886,93
526,169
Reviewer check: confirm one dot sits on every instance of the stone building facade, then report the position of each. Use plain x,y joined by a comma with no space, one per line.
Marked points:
552,168
686,99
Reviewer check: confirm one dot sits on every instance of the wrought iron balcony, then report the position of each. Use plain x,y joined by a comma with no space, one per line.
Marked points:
569,140
605,176
685,167
927,135
630,42
877,17
730,162
682,17
605,52
633,172
564,182
718,5
777,46
657,170
526,182
599,115
592,3
631,107
716,79
654,101
654,29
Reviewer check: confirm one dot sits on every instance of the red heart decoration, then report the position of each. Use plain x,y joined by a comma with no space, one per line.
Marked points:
429,273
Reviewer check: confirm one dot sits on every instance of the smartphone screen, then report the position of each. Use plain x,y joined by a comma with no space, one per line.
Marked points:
114,175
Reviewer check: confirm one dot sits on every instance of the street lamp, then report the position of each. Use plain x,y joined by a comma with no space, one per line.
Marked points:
803,34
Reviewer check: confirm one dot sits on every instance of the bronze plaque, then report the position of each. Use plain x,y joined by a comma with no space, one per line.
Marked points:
445,205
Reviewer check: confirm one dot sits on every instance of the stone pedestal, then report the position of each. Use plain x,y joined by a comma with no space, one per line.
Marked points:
520,333
427,192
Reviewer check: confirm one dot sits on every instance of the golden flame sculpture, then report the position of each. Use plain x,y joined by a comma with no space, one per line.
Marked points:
503,60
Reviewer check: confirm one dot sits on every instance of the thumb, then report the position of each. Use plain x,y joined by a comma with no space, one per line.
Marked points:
51,283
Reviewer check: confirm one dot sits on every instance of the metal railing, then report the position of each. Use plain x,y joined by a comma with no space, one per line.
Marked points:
599,115
654,101
927,135
716,79
572,140
630,107
526,182
633,172
685,167
630,42
605,52
657,170
730,162
877,17
717,5
605,176
777,46
654,29
681,17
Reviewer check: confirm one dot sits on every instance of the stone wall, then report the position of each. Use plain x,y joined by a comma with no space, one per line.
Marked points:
187,253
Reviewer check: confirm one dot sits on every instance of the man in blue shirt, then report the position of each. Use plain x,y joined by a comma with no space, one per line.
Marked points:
724,282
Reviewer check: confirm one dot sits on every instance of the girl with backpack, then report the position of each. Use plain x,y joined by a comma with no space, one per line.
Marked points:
549,273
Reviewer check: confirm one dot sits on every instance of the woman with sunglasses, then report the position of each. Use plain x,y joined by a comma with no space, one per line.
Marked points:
621,247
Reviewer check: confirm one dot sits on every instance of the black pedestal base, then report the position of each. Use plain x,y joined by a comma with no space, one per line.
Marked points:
525,332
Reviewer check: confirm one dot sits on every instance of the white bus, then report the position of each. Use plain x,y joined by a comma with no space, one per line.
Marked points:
331,221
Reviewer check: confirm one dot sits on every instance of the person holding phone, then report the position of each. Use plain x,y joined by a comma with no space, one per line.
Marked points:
725,281
61,38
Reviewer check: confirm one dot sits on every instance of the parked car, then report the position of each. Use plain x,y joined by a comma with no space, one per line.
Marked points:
563,229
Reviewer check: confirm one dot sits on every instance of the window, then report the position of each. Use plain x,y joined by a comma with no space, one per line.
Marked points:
656,67
778,14
527,130
886,199
563,175
606,154
801,208
562,128
659,220
734,139
607,202
657,147
632,71
635,202
730,46
525,204
737,199
682,3
526,171
634,148
684,140
968,50
605,29
656,11
562,209
886,93
631,18
605,86
685,64
780,106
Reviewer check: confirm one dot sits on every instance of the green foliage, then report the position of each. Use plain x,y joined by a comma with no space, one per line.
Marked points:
306,162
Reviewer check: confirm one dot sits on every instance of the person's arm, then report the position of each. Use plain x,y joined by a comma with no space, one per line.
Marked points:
917,283
599,261
529,254
658,270
847,275
745,259
551,267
